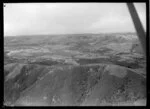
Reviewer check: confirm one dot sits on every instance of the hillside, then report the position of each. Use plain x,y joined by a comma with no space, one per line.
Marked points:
75,69
70,85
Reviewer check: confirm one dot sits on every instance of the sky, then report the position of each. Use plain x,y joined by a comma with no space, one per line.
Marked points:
69,18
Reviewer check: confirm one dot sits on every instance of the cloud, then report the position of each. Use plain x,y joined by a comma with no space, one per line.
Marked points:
57,18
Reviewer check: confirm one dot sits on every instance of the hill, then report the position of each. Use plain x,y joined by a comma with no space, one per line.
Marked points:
74,69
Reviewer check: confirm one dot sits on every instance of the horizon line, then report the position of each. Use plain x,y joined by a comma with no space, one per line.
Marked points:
69,34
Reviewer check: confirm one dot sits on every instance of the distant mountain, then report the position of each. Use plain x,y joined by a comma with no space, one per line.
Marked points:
48,39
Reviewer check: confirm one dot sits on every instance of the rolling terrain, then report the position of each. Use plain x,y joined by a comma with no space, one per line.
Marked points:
74,70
